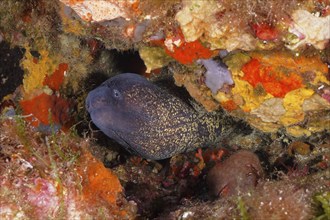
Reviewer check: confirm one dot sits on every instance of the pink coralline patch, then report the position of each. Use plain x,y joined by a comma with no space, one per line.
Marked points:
326,94
43,195
101,10
239,173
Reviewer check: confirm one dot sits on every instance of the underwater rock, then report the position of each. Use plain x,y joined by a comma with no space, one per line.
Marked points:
310,29
55,176
270,110
284,199
200,19
272,90
99,10
238,174
154,58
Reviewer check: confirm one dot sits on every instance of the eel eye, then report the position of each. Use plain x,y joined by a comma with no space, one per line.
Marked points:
116,93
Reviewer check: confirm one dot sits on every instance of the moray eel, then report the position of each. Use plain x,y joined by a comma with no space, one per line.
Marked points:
148,120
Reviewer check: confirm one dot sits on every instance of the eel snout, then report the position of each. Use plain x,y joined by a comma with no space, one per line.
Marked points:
96,99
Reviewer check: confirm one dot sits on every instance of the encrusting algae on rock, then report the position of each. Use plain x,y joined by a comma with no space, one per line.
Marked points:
37,68
293,79
55,176
100,184
270,89
43,78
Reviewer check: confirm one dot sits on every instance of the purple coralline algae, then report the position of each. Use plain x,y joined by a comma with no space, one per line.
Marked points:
216,75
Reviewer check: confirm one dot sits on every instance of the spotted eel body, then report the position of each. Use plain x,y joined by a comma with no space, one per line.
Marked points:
148,120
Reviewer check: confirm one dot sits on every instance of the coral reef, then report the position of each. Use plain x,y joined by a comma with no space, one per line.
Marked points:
274,89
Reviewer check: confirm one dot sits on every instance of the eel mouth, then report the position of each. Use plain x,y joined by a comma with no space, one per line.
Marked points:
97,103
